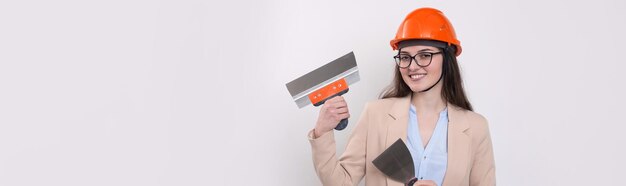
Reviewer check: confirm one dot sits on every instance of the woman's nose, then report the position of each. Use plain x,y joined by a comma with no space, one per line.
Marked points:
414,66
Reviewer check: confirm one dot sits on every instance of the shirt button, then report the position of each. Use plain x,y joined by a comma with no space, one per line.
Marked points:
424,157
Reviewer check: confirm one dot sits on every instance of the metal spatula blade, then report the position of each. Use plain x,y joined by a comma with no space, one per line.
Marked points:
396,162
324,83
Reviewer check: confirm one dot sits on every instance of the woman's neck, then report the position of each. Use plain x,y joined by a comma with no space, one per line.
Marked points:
429,101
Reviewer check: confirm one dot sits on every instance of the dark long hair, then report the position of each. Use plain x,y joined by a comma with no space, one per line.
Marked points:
452,90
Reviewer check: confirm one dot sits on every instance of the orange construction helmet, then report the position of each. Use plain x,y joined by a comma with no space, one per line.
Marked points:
427,24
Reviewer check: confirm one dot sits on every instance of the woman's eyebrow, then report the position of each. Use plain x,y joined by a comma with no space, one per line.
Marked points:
422,50
426,49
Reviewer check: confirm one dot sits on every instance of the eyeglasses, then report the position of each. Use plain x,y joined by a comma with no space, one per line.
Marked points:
422,59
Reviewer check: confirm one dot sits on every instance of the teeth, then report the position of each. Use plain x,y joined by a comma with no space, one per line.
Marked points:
417,76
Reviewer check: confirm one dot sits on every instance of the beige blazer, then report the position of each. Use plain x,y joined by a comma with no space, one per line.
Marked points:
382,122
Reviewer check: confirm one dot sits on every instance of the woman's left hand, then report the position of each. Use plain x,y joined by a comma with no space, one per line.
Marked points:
425,183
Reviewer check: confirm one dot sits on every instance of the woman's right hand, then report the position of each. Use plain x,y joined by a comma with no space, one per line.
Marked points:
331,113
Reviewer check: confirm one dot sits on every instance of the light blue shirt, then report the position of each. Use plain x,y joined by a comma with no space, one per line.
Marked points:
430,162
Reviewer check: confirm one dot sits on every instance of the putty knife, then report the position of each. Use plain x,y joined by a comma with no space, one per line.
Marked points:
396,162
325,82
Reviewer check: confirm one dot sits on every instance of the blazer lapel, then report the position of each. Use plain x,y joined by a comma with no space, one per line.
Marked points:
458,147
397,120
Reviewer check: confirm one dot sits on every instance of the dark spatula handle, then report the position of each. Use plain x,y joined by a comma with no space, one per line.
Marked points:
411,182
342,124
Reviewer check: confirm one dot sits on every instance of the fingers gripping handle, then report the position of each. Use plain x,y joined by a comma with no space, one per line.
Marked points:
344,122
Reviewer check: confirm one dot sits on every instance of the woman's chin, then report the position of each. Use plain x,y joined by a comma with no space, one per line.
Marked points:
419,88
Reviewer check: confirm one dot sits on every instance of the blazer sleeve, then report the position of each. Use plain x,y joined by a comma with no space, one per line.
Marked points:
483,167
350,168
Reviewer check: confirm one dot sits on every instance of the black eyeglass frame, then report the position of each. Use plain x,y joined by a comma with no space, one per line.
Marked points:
397,59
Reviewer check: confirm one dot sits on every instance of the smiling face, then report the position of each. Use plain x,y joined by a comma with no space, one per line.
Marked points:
421,78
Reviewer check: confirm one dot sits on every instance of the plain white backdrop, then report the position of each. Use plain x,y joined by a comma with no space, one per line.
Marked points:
192,92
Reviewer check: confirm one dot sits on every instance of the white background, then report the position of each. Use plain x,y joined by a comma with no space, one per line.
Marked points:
190,92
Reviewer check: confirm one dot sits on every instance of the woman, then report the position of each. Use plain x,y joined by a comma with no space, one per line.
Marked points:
425,106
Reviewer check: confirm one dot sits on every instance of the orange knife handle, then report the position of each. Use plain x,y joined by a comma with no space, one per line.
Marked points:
332,96
331,90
